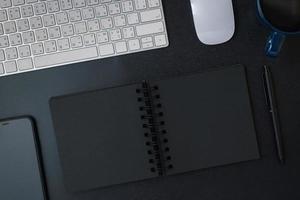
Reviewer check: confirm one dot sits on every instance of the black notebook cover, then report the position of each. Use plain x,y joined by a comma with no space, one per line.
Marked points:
150,129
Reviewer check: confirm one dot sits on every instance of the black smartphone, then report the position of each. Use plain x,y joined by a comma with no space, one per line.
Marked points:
21,174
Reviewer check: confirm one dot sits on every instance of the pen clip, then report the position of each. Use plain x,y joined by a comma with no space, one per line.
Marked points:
266,91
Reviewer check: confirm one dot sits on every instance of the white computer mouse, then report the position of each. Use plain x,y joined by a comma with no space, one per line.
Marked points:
214,20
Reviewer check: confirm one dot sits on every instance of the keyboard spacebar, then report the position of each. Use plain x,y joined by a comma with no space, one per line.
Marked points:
65,57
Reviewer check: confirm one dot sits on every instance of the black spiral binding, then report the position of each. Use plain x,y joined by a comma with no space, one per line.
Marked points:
154,124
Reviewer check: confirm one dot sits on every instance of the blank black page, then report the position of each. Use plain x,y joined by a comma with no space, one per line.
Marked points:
100,138
208,119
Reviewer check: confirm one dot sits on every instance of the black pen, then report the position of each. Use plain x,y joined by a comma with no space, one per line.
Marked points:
271,100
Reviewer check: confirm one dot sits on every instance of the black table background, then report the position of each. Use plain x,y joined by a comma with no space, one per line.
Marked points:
28,94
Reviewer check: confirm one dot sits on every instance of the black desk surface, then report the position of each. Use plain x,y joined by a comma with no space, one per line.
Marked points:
28,94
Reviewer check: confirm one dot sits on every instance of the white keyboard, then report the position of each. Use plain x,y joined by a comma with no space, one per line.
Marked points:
38,34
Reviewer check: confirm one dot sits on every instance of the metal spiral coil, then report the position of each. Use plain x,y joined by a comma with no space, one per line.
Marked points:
153,123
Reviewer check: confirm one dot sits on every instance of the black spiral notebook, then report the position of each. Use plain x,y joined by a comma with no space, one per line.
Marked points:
154,128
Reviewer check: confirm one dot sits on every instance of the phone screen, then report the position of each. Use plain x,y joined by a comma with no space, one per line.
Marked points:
20,172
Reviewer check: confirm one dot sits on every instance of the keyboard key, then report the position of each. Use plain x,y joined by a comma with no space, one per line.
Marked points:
65,57
147,42
147,45
133,18
146,39
37,48
127,6
18,2
36,22
15,39
106,49
115,34
151,15
80,28
14,13
28,37
106,23
31,1
76,42
67,30
147,29
52,6
128,32
75,15
88,13
121,47
134,45
1,30
120,20
2,56
102,37
41,34
93,25
24,51
50,46
153,3
92,2
49,20
23,25
10,66
160,40
106,1
62,18
54,32
89,39
25,64
27,11
66,4
4,41
63,44
79,3
3,15
40,8
100,11
140,4
114,8
10,27
1,69
5,3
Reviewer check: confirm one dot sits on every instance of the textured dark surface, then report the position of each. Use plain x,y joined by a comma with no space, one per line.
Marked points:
28,94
